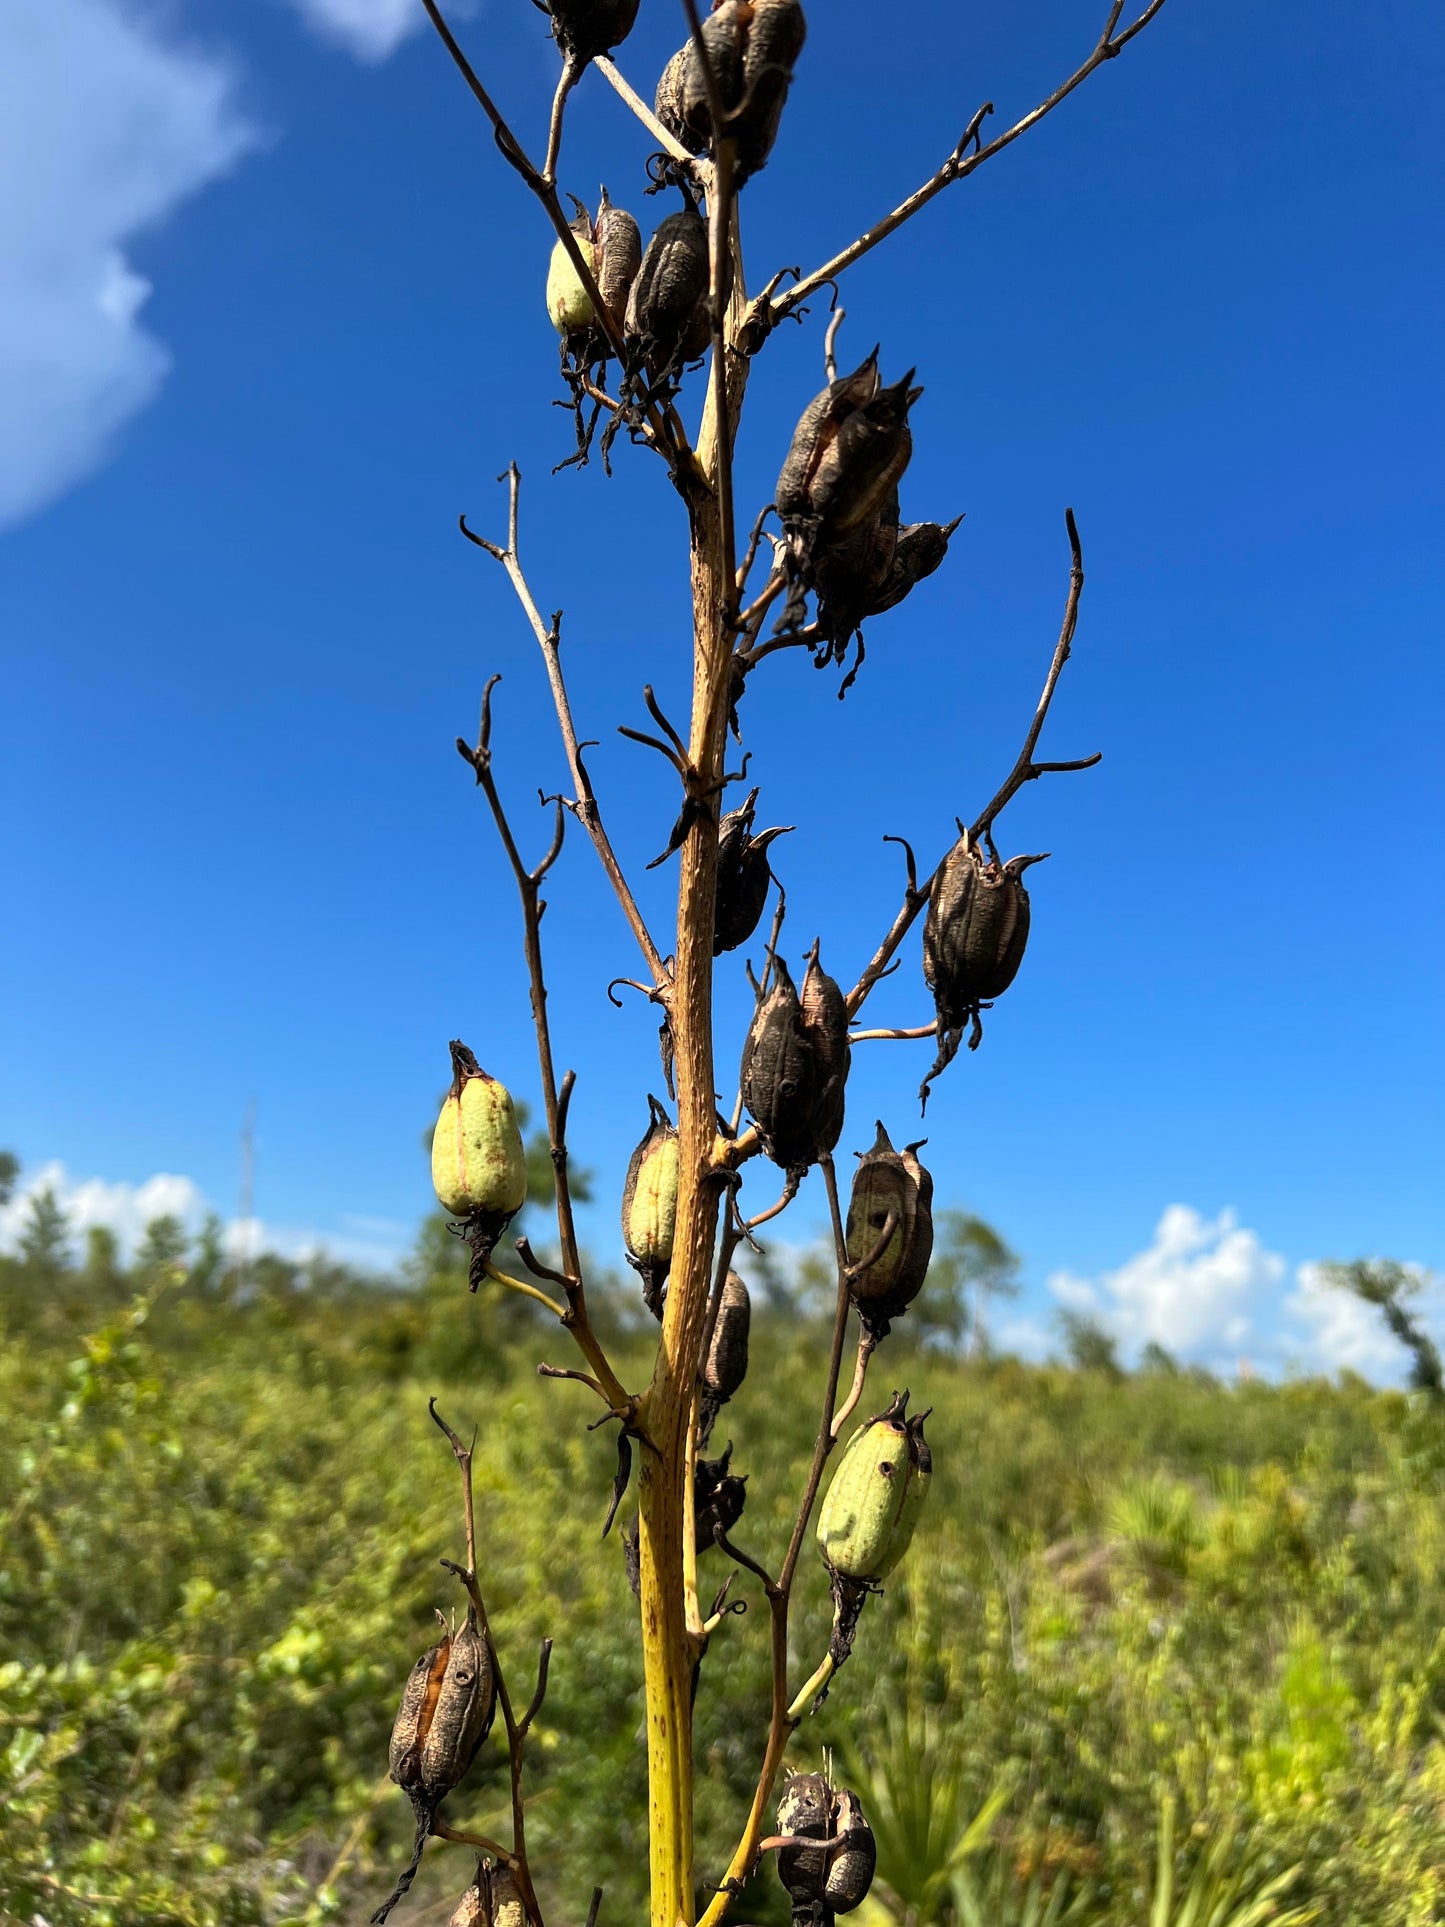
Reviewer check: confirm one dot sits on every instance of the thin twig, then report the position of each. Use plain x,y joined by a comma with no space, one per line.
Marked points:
961,163
1023,771
915,1030
571,74
669,143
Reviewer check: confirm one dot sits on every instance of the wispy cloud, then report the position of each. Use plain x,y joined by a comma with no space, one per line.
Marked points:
126,1209
370,29
107,124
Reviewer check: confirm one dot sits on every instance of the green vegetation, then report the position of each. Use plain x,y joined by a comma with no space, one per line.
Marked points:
1164,1651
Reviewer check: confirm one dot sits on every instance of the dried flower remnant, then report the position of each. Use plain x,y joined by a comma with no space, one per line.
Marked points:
973,941
478,1164
888,1186
649,1206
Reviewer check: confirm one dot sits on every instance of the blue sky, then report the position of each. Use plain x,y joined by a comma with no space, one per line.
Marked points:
276,316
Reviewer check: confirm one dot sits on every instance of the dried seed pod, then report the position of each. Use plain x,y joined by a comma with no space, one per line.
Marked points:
478,1164
805,1812
719,1496
851,572
507,1909
462,1711
473,1910
775,35
682,92
973,940
618,242
850,446
649,1206
920,550
889,1185
743,876
414,1715
585,28
667,309
780,1075
726,1364
852,1862
751,47
825,1024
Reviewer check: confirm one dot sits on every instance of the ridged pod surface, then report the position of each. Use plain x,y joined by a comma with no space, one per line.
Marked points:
478,1163
649,1206
973,940
462,1713
743,876
667,309
780,1075
752,47
825,1024
612,248
889,1183
850,446
872,1506
853,1862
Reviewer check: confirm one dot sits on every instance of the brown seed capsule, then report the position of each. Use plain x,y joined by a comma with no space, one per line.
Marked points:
612,249
649,1206
973,940
474,1907
507,1909
718,1498
851,572
726,1364
921,548
743,876
850,446
825,1023
585,28
805,1811
414,1715
889,1186
752,47
462,1712
667,309
780,1075
851,1864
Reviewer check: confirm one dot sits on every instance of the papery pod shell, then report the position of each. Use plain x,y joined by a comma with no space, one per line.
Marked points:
743,876
618,243
864,459
568,302
583,29
815,433
462,1717
478,1162
508,1909
920,549
825,1023
780,1075
876,1494
414,1715
775,38
719,1496
667,314
885,1182
682,93
805,1810
726,1364
853,1862
474,1907
975,930
851,571
649,1205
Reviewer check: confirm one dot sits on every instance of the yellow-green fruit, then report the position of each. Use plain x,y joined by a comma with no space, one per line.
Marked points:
477,1161
876,1495
568,302
649,1205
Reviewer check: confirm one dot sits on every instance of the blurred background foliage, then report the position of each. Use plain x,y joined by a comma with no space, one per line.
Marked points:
1166,1650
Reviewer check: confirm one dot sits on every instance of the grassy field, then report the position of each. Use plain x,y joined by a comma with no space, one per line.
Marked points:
1157,1636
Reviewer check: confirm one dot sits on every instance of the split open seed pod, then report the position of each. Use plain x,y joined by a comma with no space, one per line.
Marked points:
751,48
853,1861
743,876
889,1187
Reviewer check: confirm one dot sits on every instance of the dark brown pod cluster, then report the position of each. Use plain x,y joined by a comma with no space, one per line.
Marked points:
973,941
445,1713
834,1877
888,1187
743,876
585,28
667,320
719,1496
795,1067
726,1364
752,47
870,570
850,446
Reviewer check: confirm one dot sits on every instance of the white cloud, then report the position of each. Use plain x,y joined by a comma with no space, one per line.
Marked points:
126,1209
370,29
1341,1330
1197,1290
106,127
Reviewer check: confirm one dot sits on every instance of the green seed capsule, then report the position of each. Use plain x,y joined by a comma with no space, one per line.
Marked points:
649,1206
568,301
477,1160
877,1493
